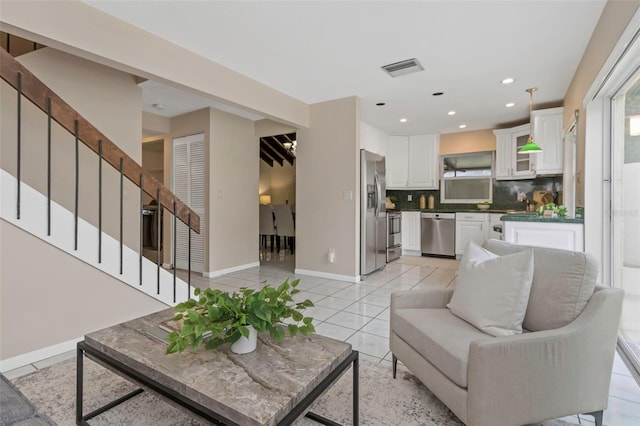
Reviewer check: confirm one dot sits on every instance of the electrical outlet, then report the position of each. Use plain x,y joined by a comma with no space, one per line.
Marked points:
409,197
331,257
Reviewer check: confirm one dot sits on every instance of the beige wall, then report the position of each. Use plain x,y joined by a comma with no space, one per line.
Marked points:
279,182
45,305
463,142
101,37
283,184
327,165
264,185
233,181
613,21
271,128
154,125
108,99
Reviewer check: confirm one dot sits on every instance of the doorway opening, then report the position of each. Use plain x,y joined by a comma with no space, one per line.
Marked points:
277,198
153,162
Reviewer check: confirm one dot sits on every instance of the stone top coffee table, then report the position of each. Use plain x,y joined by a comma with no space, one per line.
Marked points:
273,385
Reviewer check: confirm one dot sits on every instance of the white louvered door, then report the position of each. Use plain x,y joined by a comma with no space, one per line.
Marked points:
189,184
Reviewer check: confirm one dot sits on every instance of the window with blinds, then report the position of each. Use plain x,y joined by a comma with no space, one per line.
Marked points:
189,184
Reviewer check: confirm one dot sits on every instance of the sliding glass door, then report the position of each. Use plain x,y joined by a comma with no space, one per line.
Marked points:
625,209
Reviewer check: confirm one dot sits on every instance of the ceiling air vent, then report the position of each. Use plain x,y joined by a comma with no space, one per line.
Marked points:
403,67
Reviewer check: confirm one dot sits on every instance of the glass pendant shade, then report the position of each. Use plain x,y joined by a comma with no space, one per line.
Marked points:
530,147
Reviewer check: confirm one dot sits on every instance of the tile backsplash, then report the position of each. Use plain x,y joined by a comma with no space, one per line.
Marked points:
505,193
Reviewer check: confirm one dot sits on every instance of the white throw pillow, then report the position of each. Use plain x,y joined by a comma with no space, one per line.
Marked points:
492,291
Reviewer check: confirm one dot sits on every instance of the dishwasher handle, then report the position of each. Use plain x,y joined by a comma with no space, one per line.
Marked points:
438,216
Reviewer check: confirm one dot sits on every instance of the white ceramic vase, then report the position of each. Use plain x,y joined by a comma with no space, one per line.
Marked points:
244,345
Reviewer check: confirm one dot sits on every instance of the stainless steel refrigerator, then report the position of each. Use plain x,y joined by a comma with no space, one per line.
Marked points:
373,213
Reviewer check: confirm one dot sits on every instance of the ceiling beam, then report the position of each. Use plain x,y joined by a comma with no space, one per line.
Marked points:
279,148
267,150
266,159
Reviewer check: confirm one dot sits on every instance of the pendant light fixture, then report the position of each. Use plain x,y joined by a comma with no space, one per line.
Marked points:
530,147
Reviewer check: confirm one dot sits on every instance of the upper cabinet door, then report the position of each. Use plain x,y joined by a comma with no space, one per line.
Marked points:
397,162
423,161
523,164
548,132
503,154
509,164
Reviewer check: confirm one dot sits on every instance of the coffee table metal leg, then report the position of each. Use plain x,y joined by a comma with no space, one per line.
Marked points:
356,391
80,418
356,398
79,386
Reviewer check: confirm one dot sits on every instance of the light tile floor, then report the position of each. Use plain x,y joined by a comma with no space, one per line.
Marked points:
359,314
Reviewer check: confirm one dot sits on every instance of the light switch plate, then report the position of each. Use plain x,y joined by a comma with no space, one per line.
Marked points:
409,197
347,195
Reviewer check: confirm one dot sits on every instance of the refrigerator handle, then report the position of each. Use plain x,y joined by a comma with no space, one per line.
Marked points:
375,194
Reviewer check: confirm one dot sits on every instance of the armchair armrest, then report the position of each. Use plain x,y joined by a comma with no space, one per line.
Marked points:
548,374
428,298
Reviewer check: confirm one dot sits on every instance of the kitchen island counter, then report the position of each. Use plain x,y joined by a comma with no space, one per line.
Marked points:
460,210
534,217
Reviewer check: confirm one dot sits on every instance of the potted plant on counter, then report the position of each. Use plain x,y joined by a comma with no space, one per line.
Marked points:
552,210
219,317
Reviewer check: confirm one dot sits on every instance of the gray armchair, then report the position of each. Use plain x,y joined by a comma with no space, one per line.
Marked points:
561,365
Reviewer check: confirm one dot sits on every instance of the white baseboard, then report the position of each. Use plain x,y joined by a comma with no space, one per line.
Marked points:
337,277
213,274
38,355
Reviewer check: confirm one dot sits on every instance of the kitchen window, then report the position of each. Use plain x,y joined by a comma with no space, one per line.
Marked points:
467,178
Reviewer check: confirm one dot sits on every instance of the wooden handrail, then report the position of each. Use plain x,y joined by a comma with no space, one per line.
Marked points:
37,92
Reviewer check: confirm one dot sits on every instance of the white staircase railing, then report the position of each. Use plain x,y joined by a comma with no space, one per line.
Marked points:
33,221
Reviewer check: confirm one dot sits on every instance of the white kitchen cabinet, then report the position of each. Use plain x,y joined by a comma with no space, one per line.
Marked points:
471,226
411,233
397,163
509,164
548,133
373,139
494,220
412,162
564,236
423,161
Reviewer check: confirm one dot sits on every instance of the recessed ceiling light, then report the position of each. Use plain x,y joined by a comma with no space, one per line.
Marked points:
510,105
158,106
451,113
438,93
403,120
381,104
508,80
462,126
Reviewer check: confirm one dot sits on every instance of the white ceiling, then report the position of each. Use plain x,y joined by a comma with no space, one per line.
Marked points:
321,50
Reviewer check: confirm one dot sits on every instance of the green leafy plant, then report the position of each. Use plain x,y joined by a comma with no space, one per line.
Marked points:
558,210
219,317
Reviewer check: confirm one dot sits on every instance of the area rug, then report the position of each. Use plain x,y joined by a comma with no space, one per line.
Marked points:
383,400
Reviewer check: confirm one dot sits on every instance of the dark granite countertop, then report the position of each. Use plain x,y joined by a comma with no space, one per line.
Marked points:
461,210
533,217
509,214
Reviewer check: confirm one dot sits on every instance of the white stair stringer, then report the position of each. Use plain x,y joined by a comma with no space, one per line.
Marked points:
33,219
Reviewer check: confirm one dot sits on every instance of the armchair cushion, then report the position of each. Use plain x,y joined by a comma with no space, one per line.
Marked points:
492,291
563,283
429,332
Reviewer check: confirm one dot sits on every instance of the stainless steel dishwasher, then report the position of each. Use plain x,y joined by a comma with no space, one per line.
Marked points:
438,234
